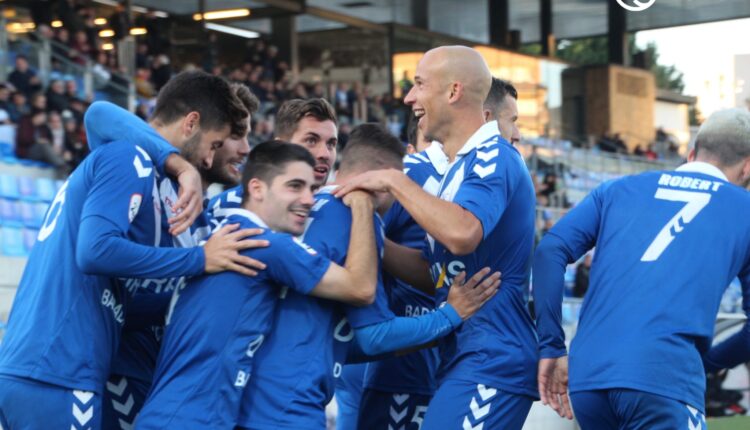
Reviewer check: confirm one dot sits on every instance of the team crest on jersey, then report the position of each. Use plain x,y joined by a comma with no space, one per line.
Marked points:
135,204
305,246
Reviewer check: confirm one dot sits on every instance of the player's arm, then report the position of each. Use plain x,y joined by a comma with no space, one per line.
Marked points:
409,265
735,350
458,229
356,282
115,197
107,123
568,240
400,333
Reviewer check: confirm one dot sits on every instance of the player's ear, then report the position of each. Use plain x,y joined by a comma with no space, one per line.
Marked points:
191,123
691,155
257,189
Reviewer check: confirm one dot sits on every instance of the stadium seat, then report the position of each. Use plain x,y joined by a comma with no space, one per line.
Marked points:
12,243
9,187
29,239
6,149
10,213
26,188
45,189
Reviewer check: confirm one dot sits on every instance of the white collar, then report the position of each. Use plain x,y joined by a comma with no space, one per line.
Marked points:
483,134
437,157
252,216
703,167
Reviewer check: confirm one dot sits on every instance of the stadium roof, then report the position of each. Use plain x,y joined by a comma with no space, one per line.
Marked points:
466,19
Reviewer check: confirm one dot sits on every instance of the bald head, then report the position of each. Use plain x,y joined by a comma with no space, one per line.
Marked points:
463,65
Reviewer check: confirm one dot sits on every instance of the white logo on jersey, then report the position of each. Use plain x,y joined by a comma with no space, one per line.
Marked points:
242,378
254,345
135,204
55,207
337,368
109,301
304,246
140,169
340,335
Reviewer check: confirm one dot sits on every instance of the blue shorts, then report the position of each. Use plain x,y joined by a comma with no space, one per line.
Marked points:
123,399
26,404
382,410
622,409
349,395
471,406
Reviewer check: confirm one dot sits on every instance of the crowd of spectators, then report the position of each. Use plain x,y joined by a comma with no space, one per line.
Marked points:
663,147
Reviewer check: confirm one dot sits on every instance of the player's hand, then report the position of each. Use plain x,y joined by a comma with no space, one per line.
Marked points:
553,385
373,181
223,250
359,198
467,297
189,203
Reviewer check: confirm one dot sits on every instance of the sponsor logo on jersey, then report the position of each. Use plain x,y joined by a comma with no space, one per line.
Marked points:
304,246
109,301
637,5
134,206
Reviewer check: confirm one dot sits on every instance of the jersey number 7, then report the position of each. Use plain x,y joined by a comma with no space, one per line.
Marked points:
695,202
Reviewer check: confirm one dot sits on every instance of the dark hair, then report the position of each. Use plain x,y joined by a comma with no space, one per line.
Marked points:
269,159
411,130
496,96
249,101
293,111
210,96
371,146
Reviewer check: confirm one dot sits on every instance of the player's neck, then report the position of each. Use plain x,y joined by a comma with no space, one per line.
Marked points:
456,136
171,133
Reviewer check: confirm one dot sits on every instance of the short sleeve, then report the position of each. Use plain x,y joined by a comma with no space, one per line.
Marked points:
486,188
121,186
294,264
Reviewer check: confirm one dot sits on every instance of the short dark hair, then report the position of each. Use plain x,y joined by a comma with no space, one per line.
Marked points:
269,159
293,111
371,146
249,101
411,130
496,97
210,96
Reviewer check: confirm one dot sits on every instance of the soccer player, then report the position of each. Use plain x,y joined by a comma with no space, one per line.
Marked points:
315,334
218,323
133,365
309,123
404,384
501,106
483,217
667,245
68,312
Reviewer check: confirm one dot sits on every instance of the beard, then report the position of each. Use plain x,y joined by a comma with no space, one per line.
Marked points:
191,149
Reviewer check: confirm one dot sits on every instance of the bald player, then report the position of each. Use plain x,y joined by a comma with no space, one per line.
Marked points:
501,106
483,215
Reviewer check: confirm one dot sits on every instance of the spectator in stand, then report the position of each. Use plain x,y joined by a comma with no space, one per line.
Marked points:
638,151
650,153
57,132
75,145
78,109
57,99
619,144
341,101
62,46
23,78
143,85
582,276
38,103
142,57
5,98
34,142
19,107
68,11
83,50
161,71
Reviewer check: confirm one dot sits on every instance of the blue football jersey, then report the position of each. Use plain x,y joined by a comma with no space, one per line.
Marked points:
216,327
413,372
295,372
217,207
667,245
496,347
65,324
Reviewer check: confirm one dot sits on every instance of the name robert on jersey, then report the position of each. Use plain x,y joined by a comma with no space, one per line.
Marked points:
688,182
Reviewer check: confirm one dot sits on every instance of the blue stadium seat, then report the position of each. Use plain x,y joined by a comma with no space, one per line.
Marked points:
9,187
46,189
26,188
29,239
6,149
11,242
10,213
32,214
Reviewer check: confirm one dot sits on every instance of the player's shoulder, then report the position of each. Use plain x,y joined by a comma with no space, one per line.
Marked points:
229,198
328,204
